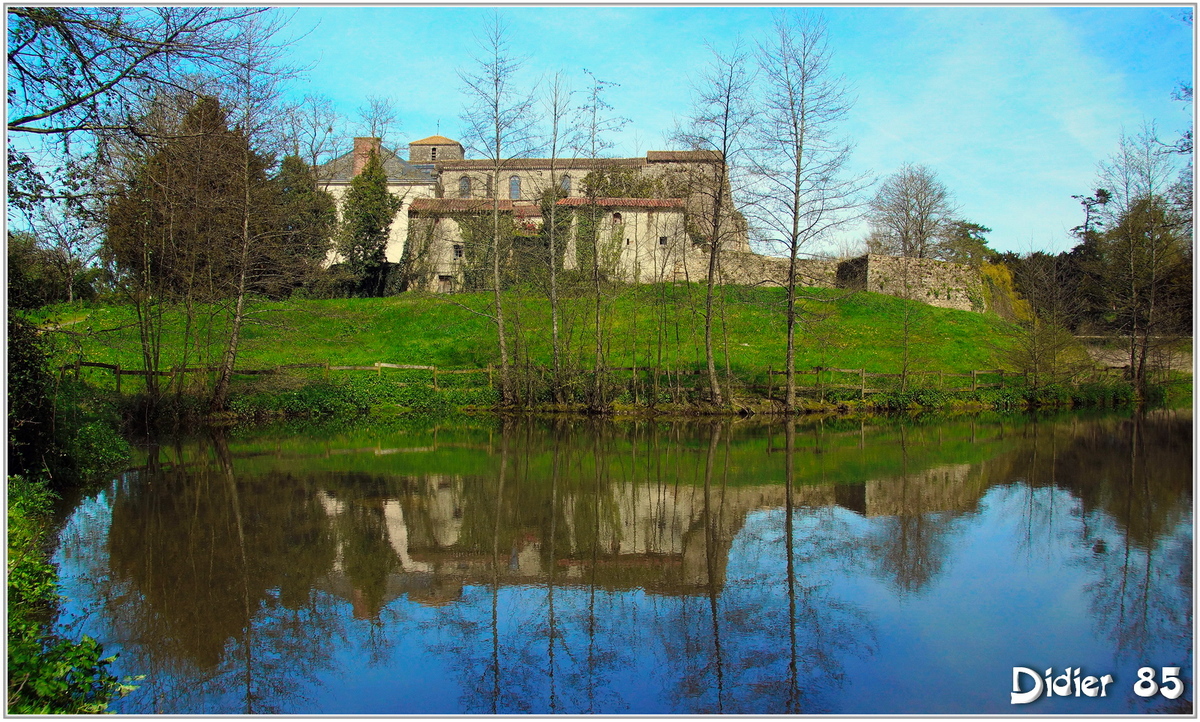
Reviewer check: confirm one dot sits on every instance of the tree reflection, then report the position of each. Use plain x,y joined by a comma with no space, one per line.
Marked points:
910,543
1141,541
205,610
588,567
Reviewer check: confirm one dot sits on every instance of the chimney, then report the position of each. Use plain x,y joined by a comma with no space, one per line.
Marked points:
363,147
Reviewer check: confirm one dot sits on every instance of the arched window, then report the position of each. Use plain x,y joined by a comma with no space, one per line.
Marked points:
616,218
464,187
565,184
514,187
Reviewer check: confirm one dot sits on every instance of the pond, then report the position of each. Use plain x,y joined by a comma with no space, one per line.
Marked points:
888,566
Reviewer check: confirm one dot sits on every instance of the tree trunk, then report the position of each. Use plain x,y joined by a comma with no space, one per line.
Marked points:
505,373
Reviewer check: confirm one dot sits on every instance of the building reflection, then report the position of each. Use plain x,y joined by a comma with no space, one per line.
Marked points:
237,576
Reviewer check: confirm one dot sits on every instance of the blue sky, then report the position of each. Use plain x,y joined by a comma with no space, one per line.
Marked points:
1012,107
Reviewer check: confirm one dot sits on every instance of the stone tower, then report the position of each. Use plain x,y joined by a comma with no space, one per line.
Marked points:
434,149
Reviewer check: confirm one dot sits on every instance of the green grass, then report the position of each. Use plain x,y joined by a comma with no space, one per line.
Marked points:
642,324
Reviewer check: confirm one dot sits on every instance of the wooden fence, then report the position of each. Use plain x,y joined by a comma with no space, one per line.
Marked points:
325,366
823,378
862,375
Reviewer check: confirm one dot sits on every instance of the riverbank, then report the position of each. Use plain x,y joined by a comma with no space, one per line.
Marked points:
378,396
60,436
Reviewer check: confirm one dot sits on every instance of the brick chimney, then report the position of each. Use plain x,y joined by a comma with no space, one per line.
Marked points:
363,147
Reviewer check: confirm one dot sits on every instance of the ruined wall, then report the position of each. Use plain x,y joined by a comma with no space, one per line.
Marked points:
938,283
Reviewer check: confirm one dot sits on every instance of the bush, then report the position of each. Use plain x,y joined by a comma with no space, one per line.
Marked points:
925,398
352,395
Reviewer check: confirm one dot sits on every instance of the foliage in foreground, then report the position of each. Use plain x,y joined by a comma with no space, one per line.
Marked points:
47,673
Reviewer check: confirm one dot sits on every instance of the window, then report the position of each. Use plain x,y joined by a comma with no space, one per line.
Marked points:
514,187
565,184
464,187
433,154
662,240
616,218
445,284
458,250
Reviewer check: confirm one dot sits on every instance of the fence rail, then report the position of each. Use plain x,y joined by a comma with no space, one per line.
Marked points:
281,369
823,378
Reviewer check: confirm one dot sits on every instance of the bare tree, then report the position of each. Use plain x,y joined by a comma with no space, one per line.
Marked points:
77,76
255,90
557,106
1144,251
500,126
910,212
315,131
594,124
803,192
722,114
378,118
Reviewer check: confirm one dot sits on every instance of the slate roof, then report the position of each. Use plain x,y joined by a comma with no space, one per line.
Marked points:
341,169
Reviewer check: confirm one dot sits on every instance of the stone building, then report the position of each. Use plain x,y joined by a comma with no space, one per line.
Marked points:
643,239
445,195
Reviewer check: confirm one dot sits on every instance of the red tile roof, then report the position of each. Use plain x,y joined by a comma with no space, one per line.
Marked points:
435,140
531,210
561,164
625,202
668,156
473,205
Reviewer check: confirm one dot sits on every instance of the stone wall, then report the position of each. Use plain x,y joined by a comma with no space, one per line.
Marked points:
938,283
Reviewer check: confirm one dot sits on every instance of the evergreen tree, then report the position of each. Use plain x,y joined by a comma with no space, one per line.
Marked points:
367,215
307,219
195,222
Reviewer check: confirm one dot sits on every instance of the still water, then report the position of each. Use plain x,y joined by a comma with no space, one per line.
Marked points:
891,566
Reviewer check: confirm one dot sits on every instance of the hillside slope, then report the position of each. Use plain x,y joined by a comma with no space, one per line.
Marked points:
643,325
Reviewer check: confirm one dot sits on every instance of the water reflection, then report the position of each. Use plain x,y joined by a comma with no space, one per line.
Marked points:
587,567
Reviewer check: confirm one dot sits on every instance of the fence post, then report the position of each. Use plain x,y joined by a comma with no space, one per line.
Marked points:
862,376
76,369
117,373
379,368
435,385
770,378
974,380
941,381
327,370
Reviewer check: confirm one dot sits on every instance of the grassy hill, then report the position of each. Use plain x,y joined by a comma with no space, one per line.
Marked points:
643,325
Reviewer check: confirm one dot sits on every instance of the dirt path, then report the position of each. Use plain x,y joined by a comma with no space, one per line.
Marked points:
1118,358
